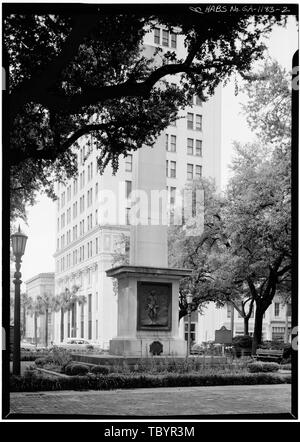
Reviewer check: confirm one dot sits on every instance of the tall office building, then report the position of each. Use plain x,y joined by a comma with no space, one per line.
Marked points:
89,232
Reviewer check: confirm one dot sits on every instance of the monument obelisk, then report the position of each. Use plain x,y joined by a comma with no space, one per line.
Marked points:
147,289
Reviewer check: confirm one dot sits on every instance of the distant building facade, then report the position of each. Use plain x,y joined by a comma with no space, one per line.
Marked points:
276,319
39,285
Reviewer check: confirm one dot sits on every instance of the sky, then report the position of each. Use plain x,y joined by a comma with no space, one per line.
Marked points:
41,226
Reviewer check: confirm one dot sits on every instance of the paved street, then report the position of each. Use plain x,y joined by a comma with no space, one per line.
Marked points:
252,399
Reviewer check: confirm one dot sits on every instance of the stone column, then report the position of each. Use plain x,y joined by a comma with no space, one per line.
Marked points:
148,243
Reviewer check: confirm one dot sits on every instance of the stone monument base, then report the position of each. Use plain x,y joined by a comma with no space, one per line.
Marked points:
141,347
148,311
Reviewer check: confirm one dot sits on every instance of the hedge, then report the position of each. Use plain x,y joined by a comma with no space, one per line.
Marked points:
262,367
117,381
100,369
31,356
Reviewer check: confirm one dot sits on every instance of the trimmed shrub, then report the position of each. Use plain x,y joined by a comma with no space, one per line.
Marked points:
99,369
263,367
116,381
40,362
286,366
76,369
287,352
242,341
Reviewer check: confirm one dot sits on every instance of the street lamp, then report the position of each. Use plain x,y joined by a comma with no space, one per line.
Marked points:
18,241
189,300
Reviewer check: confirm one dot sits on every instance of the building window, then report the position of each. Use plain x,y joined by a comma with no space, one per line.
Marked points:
167,168
96,328
97,301
198,172
190,169
128,216
190,121
173,143
75,184
289,309
96,246
198,101
157,36
192,334
172,195
198,122
167,141
128,163
278,333
90,316
165,38
172,169
173,40
276,309
199,148
190,146
128,185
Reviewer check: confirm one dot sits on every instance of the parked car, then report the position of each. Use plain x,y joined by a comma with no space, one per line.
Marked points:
76,344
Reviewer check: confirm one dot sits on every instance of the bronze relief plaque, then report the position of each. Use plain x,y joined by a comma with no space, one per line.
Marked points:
154,304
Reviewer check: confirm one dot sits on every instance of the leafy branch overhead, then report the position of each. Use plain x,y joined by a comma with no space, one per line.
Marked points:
88,75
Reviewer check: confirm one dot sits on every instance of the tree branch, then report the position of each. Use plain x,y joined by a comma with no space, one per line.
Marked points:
83,131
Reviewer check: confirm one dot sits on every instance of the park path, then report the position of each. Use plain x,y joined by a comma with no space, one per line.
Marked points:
185,401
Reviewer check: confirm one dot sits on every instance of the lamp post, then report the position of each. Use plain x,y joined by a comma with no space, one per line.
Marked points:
189,300
18,241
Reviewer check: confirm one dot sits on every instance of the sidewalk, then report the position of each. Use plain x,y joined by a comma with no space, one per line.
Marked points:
156,402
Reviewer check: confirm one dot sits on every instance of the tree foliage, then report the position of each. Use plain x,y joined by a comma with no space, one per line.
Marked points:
85,74
244,253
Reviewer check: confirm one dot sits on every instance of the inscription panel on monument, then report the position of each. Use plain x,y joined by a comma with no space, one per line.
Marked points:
154,305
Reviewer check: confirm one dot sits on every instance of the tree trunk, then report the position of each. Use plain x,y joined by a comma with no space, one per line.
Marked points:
257,335
246,326
46,327
35,328
61,325
232,321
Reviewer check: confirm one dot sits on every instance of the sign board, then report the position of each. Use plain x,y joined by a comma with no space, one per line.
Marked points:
223,336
